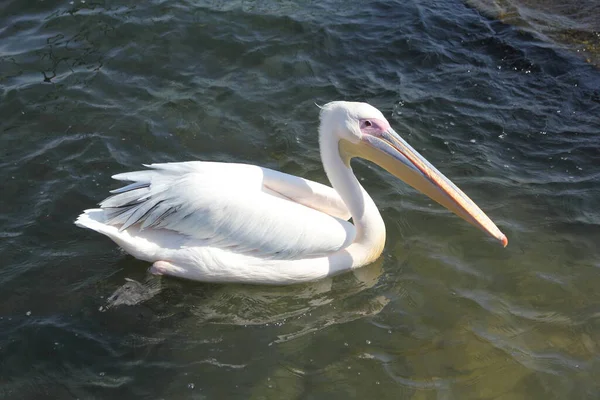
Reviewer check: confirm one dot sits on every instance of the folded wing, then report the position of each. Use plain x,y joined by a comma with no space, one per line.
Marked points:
243,208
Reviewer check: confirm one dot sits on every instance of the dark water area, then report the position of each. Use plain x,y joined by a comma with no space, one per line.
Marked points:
90,89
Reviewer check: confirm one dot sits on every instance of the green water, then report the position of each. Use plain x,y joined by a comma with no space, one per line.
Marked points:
572,26
90,89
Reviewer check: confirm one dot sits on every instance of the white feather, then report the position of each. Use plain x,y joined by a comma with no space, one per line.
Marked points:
221,208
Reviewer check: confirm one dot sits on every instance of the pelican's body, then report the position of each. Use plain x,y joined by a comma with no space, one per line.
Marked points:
223,222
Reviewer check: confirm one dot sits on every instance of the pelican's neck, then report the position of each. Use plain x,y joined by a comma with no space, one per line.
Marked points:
370,229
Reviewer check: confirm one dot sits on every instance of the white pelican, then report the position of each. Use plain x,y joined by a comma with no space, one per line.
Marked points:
223,222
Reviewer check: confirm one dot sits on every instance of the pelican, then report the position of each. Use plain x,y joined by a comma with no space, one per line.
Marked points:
228,222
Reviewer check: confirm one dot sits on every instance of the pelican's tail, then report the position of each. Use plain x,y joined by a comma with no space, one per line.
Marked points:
94,219
149,245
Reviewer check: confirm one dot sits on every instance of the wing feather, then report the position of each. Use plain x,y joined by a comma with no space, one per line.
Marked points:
225,206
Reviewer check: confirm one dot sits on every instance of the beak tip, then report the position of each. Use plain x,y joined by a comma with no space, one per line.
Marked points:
504,241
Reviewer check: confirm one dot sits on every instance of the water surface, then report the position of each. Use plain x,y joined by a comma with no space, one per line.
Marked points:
90,89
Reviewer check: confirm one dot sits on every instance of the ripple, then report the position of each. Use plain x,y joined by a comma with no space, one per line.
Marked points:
90,89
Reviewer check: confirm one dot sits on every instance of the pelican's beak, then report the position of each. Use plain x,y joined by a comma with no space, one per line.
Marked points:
392,152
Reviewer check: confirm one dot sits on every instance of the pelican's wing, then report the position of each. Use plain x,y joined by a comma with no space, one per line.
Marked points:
311,194
244,208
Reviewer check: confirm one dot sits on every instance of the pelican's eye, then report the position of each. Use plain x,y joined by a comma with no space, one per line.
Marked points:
373,126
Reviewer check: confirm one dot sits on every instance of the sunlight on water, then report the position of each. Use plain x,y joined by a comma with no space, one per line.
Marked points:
494,94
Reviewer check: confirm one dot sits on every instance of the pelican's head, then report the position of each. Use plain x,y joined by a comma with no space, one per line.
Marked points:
362,131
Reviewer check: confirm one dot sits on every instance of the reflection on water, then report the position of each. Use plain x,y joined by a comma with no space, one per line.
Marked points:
90,89
296,312
293,306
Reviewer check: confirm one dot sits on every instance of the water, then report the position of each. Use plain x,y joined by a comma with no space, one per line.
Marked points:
90,89
571,25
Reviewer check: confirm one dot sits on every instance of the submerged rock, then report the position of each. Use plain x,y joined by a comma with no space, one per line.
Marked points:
574,25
